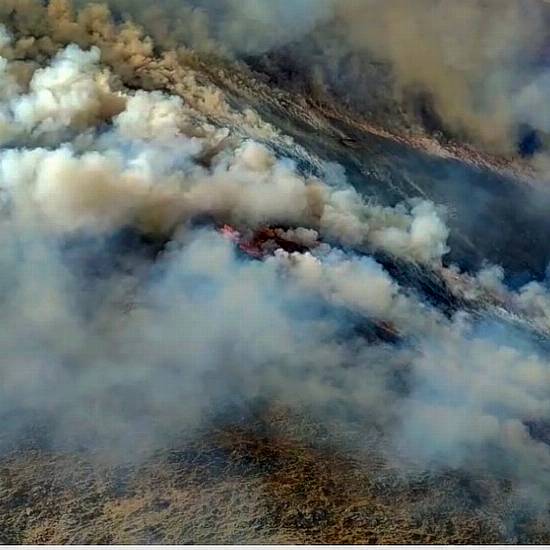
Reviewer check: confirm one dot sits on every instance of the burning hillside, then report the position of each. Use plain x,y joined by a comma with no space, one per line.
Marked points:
307,312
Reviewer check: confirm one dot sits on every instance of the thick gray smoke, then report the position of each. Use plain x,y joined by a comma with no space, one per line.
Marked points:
482,64
126,349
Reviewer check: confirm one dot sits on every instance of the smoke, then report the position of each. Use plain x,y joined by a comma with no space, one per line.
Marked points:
120,180
480,65
473,58
199,322
127,317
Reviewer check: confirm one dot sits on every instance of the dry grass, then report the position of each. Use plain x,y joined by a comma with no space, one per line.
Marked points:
254,483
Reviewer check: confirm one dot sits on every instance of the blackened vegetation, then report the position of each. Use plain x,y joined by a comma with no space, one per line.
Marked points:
425,282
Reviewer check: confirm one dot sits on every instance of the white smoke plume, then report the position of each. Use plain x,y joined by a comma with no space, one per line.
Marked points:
105,187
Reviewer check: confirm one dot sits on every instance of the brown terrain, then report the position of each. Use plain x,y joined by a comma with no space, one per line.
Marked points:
259,481
275,477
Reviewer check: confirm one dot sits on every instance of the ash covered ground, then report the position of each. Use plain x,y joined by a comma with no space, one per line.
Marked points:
270,275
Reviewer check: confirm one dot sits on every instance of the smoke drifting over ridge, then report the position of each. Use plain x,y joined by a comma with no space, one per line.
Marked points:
126,349
481,65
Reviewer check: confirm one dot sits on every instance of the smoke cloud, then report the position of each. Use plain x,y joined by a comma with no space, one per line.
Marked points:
122,346
480,65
